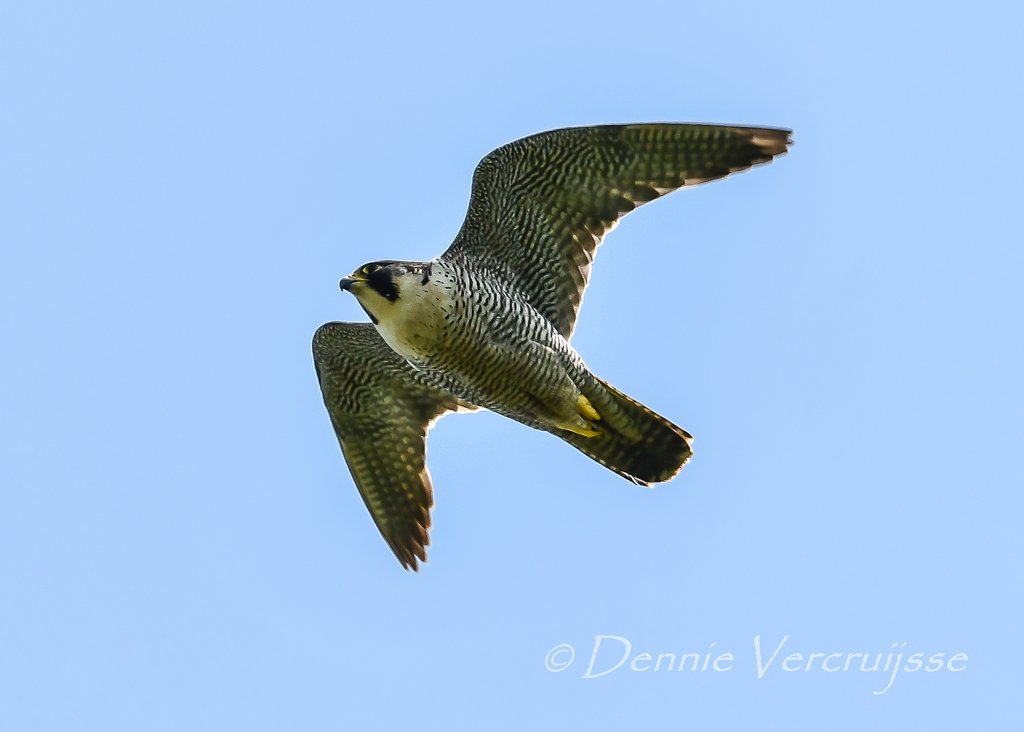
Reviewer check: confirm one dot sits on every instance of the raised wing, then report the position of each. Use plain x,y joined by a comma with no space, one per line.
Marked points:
541,205
381,409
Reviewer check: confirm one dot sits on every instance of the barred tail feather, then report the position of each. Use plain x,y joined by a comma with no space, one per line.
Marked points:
634,441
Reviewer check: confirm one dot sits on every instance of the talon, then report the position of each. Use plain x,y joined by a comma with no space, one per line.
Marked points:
587,409
582,430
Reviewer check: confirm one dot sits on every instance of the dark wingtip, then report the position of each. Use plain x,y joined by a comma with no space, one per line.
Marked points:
411,553
772,141
409,565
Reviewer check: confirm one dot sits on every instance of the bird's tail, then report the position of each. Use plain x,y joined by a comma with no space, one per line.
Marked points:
632,440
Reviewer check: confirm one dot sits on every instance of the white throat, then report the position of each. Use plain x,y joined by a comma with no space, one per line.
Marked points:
414,324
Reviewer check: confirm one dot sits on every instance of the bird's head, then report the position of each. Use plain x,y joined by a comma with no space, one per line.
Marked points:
379,286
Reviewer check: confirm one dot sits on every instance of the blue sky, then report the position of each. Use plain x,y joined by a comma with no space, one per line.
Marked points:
181,546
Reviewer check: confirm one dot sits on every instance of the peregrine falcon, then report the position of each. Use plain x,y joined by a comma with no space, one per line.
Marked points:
487,324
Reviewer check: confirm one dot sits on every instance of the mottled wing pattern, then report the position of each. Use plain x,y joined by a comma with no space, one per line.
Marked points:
381,409
541,205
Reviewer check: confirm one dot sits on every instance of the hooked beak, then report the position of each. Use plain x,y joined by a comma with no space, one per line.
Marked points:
347,282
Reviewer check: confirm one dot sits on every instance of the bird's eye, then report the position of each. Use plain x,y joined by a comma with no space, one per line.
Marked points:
370,268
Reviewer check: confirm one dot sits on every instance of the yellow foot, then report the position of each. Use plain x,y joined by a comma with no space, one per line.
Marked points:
580,428
587,409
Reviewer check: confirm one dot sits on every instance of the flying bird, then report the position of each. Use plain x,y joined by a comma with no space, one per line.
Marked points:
487,324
